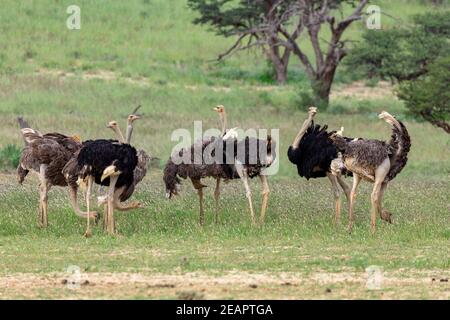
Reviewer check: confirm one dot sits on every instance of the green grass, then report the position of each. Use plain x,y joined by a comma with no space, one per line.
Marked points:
155,57
298,238
150,38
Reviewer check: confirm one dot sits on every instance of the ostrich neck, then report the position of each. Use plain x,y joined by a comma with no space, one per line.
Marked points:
129,132
119,134
223,119
302,131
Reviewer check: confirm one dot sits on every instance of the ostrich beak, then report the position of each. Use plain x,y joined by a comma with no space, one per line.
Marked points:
111,124
219,108
110,171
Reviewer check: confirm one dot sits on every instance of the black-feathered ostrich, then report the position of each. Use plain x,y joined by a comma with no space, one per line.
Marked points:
46,155
375,161
312,151
105,162
222,158
139,172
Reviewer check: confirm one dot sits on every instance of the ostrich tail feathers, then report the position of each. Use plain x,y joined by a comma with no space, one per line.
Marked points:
399,145
171,179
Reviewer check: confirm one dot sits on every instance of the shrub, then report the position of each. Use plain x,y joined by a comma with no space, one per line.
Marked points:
9,156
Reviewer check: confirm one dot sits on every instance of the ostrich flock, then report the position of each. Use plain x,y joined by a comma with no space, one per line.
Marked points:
66,161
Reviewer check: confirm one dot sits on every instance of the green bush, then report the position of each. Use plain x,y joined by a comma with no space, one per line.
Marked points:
9,156
304,98
428,97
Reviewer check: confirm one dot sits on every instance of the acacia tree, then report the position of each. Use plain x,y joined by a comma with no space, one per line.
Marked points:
276,25
403,53
415,58
428,97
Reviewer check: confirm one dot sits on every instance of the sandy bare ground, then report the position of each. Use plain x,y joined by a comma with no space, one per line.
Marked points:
231,285
360,91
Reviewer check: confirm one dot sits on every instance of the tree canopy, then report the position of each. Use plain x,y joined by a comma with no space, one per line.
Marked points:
276,25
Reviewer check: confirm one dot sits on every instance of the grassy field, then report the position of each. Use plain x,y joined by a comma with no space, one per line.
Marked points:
147,52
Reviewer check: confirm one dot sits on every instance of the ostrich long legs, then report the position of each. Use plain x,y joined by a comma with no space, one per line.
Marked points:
111,225
90,179
351,215
337,196
103,200
113,174
377,194
199,187
384,214
265,195
43,188
216,198
73,198
248,192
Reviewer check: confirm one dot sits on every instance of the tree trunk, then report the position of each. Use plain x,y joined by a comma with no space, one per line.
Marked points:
281,73
322,87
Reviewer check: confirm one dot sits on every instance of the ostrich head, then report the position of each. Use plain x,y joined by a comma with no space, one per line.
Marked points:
112,125
339,141
110,171
133,117
220,109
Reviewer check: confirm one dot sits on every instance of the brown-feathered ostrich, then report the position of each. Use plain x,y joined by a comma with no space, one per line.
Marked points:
222,158
46,155
220,109
139,172
312,151
377,162
108,163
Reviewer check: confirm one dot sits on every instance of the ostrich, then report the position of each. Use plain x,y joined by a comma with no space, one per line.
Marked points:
312,151
105,162
249,157
220,109
377,162
47,155
139,172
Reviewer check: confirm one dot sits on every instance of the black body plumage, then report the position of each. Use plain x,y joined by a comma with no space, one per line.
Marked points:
314,153
96,155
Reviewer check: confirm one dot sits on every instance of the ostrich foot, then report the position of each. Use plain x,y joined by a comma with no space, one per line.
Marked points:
386,216
88,234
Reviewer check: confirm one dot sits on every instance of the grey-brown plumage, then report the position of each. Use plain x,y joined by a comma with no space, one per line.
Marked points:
375,161
46,155
221,158
139,173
